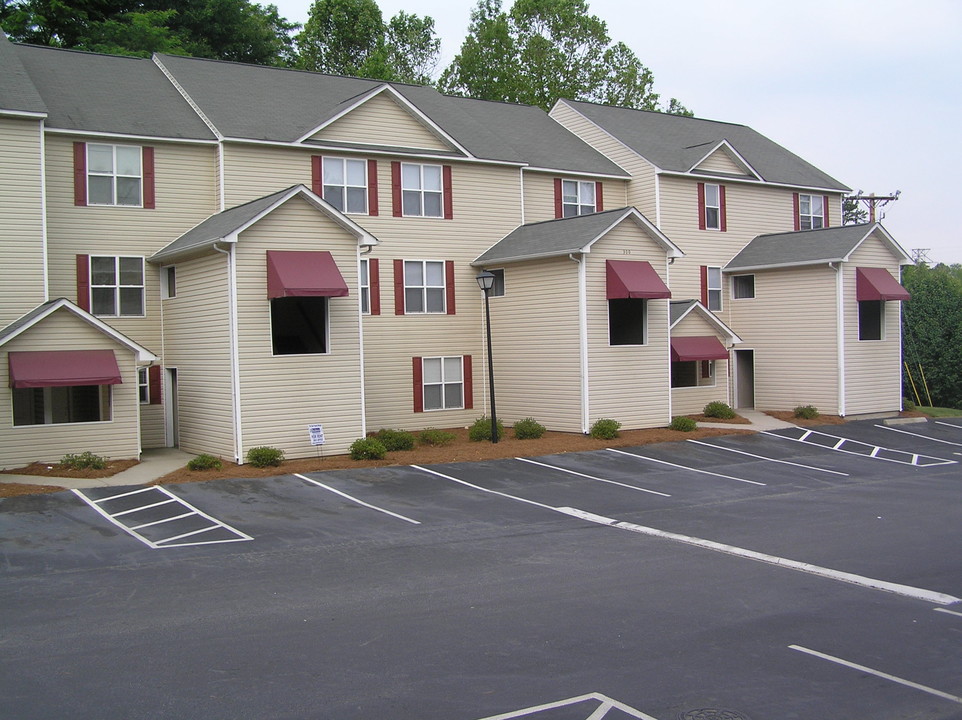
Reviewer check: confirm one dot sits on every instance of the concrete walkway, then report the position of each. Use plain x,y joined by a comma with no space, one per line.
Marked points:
759,422
153,464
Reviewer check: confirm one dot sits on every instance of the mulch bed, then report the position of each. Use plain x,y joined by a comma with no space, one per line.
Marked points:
56,470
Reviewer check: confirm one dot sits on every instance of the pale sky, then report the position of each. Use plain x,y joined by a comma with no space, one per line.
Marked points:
870,91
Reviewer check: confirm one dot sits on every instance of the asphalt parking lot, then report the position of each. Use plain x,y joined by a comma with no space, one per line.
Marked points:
774,575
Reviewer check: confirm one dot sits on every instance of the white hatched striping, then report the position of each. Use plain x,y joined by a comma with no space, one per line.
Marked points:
838,444
762,457
605,704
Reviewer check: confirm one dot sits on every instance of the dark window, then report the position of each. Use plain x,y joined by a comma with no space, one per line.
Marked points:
684,374
71,404
743,286
299,325
497,290
626,321
870,314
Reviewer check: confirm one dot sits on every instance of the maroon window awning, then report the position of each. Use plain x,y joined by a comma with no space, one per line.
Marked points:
634,279
706,347
877,284
61,368
303,273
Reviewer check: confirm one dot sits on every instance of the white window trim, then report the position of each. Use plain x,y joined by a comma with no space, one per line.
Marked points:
114,175
117,286
504,289
581,208
345,185
716,207
48,410
732,281
364,286
709,288
442,384
143,385
327,332
421,191
424,288
811,215
698,385
165,293
858,323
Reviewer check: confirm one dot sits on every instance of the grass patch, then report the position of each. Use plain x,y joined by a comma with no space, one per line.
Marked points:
939,412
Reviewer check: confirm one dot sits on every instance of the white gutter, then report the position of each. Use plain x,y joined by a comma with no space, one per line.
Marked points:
43,212
234,354
583,339
668,263
220,173
840,335
360,333
658,201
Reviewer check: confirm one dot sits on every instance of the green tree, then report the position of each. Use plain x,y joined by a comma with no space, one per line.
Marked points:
487,66
852,211
413,48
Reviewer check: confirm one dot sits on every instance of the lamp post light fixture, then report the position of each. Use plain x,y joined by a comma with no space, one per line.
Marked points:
486,282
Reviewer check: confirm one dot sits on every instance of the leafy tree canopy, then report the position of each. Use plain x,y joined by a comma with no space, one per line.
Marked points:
543,50
852,211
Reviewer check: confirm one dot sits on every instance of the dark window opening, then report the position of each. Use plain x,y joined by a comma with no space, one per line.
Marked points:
626,321
870,314
497,289
743,286
684,374
299,325
55,405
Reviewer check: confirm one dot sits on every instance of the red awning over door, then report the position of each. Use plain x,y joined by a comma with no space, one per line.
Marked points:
61,368
707,347
877,284
303,273
634,279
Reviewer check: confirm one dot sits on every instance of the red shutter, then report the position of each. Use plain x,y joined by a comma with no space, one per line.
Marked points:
150,201
448,199
825,210
372,188
79,173
704,285
706,368
153,384
449,285
417,372
599,197
398,287
396,188
468,383
723,214
317,177
701,206
558,209
83,282
374,284
798,220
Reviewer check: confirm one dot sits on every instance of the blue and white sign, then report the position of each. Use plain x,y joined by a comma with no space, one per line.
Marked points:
317,434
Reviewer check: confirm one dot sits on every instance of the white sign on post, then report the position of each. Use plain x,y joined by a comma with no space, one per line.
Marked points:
317,434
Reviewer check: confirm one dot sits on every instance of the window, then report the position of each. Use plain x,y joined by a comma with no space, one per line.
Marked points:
712,207
577,198
364,282
497,289
168,282
143,386
117,286
871,319
421,190
345,184
443,383
424,288
627,321
114,175
743,286
63,404
299,325
713,288
811,213
692,373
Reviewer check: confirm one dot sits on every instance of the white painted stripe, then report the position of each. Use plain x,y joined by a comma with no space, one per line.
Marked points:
878,673
920,435
484,489
187,534
684,467
244,536
838,444
356,500
874,454
142,507
592,477
915,459
874,451
132,492
161,522
805,434
951,425
607,704
949,612
762,457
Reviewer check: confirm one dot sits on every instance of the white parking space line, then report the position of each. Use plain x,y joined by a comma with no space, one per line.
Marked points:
878,673
951,425
914,459
598,713
356,500
948,612
685,467
483,489
919,435
762,457
592,477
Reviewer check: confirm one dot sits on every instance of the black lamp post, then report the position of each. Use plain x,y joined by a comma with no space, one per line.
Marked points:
486,282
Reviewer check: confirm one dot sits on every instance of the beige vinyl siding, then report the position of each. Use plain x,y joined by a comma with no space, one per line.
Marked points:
641,191
791,326
116,438
539,198
197,343
692,400
282,395
185,195
873,376
536,348
629,383
721,161
21,217
382,121
152,426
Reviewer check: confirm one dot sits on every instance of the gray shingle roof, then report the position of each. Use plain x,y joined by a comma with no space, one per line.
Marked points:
107,93
24,320
675,143
17,92
677,309
806,247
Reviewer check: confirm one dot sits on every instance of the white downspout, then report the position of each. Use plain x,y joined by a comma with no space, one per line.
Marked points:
234,354
220,171
365,250
668,263
840,335
583,339
43,211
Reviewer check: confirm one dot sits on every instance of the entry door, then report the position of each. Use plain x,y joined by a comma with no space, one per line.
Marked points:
744,378
171,422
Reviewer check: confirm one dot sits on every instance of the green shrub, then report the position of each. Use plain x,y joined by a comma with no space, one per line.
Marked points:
481,430
435,437
528,429
369,448
395,439
605,429
682,423
907,404
264,456
718,409
83,461
806,412
204,462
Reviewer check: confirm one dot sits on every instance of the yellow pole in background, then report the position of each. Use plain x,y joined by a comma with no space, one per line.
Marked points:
925,385
918,400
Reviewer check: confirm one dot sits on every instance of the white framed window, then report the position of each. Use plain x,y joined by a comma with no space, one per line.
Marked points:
364,284
116,286
497,289
114,175
422,190
693,373
714,288
577,198
299,325
424,286
168,282
627,321
712,207
143,386
871,320
811,212
345,184
743,287
443,382
63,404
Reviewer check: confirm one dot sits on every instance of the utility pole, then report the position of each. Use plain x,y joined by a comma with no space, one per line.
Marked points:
921,255
872,201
